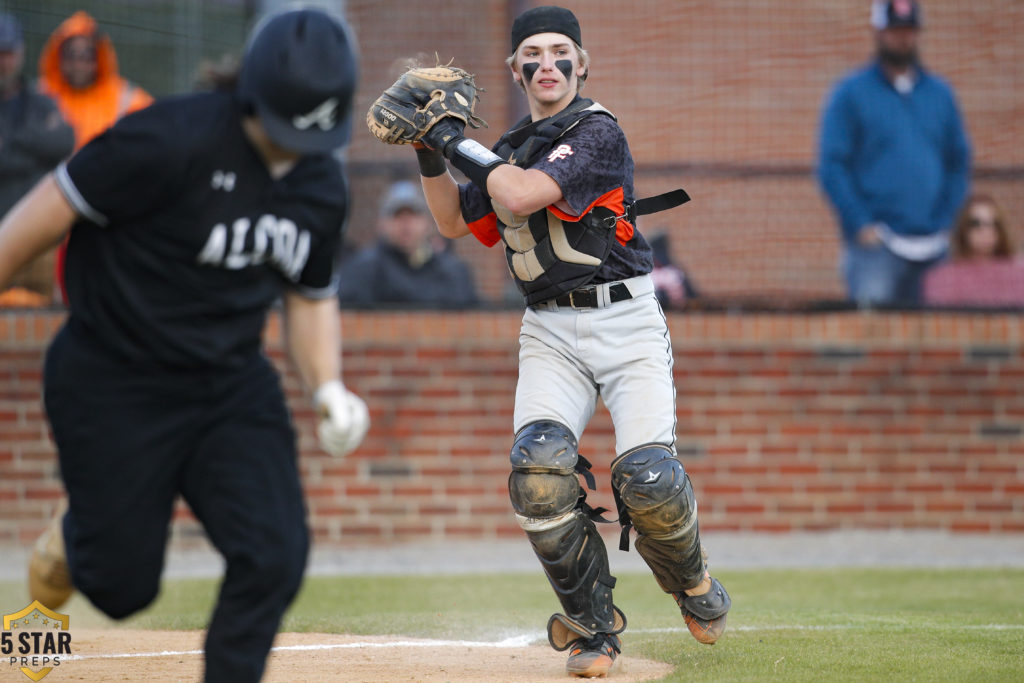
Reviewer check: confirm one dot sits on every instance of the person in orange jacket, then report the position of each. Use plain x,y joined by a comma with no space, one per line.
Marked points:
78,69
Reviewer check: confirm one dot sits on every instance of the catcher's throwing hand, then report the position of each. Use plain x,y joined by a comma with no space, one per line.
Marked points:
344,418
420,98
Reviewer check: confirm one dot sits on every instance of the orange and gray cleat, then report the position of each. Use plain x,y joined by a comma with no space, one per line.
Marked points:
593,657
591,653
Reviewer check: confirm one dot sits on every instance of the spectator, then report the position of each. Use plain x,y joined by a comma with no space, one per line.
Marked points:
33,139
405,265
220,74
894,162
672,285
78,68
985,269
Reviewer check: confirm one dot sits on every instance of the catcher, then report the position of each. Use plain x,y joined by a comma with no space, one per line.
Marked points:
557,190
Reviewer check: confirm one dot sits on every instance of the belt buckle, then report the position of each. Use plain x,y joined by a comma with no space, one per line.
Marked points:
583,291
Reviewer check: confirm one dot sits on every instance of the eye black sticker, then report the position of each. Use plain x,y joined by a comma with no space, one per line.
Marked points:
529,69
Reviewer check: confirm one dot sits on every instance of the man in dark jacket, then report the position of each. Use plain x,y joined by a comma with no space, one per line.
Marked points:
405,267
33,139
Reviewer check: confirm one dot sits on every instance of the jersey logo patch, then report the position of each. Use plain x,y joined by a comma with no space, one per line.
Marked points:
560,152
324,116
223,180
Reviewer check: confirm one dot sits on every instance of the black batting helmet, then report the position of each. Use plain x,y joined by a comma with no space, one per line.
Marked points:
299,74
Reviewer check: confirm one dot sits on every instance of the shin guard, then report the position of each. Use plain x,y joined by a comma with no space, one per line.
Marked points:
550,507
575,561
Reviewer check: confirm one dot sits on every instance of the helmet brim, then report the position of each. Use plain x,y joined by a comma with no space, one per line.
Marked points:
313,140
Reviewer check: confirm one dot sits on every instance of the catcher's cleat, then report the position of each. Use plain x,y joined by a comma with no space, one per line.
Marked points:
705,614
593,657
49,580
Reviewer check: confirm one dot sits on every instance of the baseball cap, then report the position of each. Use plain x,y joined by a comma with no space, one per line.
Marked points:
10,33
299,74
404,194
545,19
895,14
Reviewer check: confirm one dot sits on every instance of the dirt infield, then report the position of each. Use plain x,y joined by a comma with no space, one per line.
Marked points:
156,656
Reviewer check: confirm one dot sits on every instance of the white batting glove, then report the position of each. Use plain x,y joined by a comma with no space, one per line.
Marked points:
344,418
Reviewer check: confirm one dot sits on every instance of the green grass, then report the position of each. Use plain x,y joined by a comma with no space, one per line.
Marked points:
806,625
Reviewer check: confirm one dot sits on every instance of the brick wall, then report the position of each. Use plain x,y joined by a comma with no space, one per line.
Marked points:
786,422
721,97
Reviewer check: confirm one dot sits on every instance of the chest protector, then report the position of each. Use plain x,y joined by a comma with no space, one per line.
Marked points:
546,255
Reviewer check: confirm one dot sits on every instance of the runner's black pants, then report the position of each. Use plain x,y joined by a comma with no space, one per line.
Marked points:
131,438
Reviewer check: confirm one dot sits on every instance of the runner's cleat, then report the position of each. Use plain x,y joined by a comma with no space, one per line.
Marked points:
49,580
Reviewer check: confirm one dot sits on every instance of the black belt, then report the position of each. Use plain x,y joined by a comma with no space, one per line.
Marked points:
586,297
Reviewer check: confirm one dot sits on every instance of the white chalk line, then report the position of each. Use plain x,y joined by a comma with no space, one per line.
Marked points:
512,642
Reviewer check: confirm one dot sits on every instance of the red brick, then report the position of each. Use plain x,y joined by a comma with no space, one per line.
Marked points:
784,440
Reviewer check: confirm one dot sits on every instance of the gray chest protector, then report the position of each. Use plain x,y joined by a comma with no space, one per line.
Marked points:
546,255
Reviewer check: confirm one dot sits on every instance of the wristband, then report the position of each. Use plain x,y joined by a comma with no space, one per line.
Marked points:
431,162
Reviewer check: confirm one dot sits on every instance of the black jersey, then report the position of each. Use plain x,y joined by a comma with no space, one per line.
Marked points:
186,240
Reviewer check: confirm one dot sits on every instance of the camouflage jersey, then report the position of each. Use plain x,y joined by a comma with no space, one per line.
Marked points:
580,239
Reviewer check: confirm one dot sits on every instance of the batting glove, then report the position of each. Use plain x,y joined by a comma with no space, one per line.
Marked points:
344,418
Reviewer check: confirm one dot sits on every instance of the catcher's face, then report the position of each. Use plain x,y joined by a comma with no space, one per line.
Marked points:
548,67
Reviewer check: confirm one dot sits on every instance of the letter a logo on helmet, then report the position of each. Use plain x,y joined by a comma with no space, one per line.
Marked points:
324,116
299,74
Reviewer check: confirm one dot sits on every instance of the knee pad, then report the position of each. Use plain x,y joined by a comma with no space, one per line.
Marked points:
543,483
655,490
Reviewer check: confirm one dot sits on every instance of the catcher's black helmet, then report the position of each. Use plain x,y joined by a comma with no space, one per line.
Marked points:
299,74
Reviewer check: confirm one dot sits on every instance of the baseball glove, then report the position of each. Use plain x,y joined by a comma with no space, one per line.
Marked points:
421,97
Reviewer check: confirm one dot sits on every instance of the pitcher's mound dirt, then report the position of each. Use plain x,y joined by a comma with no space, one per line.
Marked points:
156,656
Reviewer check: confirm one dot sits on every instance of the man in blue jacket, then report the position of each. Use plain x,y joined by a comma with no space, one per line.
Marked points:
894,160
